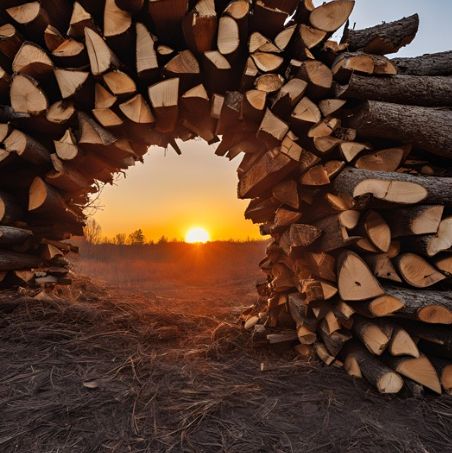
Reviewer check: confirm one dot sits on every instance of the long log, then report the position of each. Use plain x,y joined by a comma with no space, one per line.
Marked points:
427,128
385,38
10,236
431,64
433,91
394,187
433,307
10,261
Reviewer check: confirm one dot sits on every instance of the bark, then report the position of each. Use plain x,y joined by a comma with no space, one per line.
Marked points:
10,261
435,64
384,38
437,190
10,236
418,301
375,372
426,128
431,91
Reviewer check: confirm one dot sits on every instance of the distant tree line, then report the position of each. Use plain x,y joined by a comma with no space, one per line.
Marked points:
93,235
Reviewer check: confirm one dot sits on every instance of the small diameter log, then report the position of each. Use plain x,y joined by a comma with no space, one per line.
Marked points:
11,236
416,271
419,369
432,307
379,307
10,261
375,337
359,362
355,280
383,39
426,91
427,128
435,64
394,187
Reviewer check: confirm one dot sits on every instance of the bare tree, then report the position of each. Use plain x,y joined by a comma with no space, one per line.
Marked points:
119,239
92,231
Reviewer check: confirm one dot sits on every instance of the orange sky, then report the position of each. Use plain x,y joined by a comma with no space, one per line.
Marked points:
168,195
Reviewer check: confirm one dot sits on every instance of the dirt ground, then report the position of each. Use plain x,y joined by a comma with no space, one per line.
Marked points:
166,369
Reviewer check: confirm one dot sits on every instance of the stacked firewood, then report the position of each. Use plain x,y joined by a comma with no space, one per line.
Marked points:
346,157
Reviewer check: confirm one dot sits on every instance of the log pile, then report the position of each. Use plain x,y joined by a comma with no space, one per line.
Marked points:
345,155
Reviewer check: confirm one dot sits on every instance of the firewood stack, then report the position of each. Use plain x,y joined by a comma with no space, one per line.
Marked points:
346,157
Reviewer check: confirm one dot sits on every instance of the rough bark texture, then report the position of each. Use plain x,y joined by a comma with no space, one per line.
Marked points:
417,299
384,38
439,190
431,64
432,91
427,128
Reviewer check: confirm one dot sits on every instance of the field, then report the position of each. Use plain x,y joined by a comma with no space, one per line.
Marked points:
145,355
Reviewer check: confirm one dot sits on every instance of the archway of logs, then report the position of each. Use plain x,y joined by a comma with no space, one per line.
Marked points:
345,157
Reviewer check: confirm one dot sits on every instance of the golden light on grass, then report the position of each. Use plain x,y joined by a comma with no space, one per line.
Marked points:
197,235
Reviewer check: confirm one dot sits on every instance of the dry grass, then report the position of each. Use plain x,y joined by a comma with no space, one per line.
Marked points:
140,370
97,373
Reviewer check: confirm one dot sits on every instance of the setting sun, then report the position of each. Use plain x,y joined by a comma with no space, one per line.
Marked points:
197,235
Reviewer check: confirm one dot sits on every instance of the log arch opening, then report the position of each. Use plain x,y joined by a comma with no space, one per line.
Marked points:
345,156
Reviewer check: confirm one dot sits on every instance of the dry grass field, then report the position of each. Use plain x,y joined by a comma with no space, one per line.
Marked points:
146,356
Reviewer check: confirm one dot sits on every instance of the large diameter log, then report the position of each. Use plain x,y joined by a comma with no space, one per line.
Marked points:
435,64
426,128
432,91
382,39
433,307
394,187
265,174
359,362
10,261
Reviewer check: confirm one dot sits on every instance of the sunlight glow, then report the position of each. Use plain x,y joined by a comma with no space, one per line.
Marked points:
197,235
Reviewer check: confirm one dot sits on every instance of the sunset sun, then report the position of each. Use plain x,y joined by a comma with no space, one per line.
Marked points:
197,235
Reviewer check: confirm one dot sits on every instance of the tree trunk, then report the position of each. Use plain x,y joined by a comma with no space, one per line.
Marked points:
382,39
432,91
426,128
435,64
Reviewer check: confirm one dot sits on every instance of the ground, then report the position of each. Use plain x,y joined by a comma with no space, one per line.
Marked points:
164,366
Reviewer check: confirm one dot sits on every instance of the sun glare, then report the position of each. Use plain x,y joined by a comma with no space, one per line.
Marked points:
197,235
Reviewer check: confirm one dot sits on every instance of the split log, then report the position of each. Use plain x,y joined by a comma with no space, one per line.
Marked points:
393,187
383,39
424,127
414,220
444,370
200,27
435,64
146,57
432,244
164,99
27,148
101,58
265,174
416,271
402,344
419,369
359,362
433,91
355,281
375,337
26,96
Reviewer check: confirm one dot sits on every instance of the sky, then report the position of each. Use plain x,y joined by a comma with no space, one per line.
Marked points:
169,194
